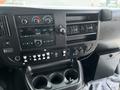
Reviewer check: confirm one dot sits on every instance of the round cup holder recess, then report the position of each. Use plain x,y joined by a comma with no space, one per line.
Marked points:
56,78
40,82
71,75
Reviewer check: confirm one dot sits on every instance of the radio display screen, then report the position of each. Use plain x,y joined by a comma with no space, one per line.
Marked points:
37,37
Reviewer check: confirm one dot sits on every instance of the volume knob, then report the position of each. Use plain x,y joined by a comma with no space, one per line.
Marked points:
38,43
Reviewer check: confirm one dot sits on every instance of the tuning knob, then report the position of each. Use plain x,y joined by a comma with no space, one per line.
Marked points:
38,42
61,29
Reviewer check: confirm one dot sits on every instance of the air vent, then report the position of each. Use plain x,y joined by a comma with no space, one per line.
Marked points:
3,26
76,17
81,23
81,27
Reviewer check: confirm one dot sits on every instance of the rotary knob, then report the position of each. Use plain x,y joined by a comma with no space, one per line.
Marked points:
36,19
24,21
47,19
61,29
38,42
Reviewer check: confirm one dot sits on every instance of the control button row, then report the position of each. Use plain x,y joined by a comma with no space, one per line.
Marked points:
37,43
45,56
37,57
27,43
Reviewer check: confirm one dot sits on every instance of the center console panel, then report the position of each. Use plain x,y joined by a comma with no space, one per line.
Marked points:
68,39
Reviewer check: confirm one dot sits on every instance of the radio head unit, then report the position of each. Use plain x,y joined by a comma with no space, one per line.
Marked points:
36,37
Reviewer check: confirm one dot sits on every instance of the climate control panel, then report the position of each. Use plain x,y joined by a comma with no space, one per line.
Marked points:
34,19
35,31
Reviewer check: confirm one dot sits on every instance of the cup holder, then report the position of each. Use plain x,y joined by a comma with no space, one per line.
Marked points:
71,75
56,78
40,82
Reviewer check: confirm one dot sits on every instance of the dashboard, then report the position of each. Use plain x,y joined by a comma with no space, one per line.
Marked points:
48,45
32,36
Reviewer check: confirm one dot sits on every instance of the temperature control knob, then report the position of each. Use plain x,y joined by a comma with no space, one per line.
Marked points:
36,20
47,19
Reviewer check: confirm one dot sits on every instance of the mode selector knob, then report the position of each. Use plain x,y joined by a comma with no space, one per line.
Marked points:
38,43
24,21
61,29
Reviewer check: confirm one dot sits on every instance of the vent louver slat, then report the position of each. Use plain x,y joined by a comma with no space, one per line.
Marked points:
3,26
76,17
